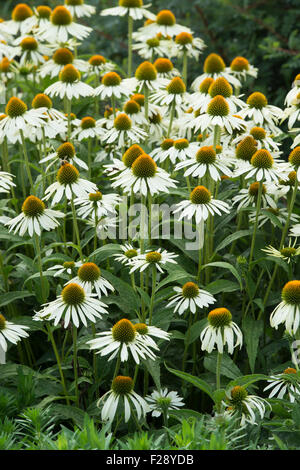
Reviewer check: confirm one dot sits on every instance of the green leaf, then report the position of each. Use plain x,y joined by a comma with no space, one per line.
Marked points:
231,238
198,383
153,368
247,380
129,297
228,367
222,285
105,252
69,412
232,269
252,330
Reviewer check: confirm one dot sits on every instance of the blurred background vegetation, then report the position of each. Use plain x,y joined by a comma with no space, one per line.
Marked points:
264,31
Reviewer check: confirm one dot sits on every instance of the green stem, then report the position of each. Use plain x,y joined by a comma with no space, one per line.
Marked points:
130,29
27,162
75,225
258,205
152,294
75,365
171,119
62,378
184,67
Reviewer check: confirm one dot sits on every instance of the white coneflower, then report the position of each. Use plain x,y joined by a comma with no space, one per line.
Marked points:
295,231
18,118
6,182
190,297
68,267
96,205
263,167
214,67
61,58
164,24
144,177
112,85
281,214
145,78
69,85
260,112
123,132
174,93
241,68
292,113
162,401
11,332
248,197
182,150
154,47
218,114
164,151
89,277
262,138
133,8
121,340
42,15
29,49
206,161
87,128
219,87
34,218
287,253
292,94
288,311
283,384
73,304
294,160
122,392
64,153
128,252
22,20
69,184
135,113
221,331
147,331
157,259
6,52
62,26
244,405
79,9
55,122
187,44
200,204
98,65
